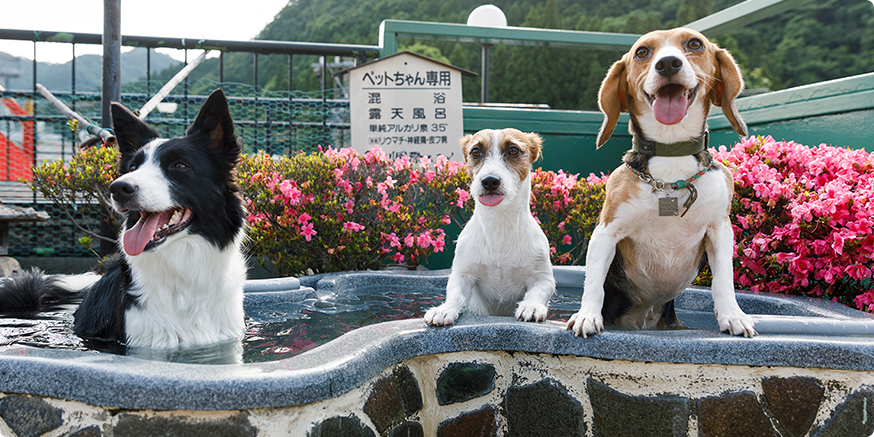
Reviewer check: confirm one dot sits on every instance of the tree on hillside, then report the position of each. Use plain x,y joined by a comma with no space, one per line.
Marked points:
814,42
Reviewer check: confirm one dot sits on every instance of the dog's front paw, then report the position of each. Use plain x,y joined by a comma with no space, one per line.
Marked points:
441,316
531,311
585,323
736,323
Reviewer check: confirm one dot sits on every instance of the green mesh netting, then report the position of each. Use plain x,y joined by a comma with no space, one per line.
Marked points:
275,122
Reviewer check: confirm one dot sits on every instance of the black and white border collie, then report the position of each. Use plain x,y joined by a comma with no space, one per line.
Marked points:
179,282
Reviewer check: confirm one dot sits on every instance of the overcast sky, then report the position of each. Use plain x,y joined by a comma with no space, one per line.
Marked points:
212,19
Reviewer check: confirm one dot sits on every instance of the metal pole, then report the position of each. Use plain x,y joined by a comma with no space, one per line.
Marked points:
73,79
111,58
35,134
170,85
104,134
291,140
148,70
324,100
72,103
185,88
111,91
255,108
484,98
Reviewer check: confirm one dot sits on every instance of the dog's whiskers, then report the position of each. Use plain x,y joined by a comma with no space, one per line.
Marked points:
707,79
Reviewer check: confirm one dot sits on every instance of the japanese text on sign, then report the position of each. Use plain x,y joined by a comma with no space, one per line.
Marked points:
407,105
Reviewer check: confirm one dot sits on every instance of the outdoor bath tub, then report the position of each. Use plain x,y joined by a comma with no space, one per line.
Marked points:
807,373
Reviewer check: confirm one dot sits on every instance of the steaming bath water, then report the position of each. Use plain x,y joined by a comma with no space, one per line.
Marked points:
289,317
275,330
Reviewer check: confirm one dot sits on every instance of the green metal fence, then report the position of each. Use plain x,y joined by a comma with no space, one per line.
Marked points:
839,112
271,121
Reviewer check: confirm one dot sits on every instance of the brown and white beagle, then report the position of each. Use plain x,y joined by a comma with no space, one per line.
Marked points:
666,211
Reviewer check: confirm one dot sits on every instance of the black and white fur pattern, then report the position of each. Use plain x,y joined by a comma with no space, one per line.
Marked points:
501,265
179,280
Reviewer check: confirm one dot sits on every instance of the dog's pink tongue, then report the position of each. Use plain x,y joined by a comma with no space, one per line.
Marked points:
491,200
670,104
137,237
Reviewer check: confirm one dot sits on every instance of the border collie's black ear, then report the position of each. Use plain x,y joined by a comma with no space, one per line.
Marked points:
131,133
214,120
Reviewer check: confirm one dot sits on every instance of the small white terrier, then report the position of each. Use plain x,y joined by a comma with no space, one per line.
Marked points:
501,265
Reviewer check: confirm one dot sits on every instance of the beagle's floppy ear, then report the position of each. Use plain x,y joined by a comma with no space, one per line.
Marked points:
729,84
612,99
536,143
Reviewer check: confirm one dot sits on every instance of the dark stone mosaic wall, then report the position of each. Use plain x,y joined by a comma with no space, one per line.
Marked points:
507,395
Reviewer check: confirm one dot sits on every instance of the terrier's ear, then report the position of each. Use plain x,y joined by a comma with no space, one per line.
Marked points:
536,146
465,149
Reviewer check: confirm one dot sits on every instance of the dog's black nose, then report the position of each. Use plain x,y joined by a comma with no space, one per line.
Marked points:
122,191
668,66
491,183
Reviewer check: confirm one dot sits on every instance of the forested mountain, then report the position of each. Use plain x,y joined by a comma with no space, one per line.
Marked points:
89,70
817,41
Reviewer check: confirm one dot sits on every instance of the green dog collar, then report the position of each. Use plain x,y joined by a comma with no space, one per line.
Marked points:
684,148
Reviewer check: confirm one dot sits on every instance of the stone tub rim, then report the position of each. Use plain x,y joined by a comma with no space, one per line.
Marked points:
354,358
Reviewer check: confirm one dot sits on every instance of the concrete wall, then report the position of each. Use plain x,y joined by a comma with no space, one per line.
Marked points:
510,394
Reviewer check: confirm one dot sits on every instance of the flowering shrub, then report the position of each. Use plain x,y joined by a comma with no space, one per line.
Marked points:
567,209
801,215
79,186
802,219
338,210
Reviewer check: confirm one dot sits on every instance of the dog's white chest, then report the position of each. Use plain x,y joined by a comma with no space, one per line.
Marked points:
662,253
176,308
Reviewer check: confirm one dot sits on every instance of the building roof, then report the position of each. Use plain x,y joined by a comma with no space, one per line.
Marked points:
407,52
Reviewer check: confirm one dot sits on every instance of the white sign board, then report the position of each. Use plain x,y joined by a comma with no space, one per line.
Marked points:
406,105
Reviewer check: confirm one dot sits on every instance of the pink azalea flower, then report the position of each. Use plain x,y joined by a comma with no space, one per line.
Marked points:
424,240
462,197
393,240
290,191
439,243
307,231
352,227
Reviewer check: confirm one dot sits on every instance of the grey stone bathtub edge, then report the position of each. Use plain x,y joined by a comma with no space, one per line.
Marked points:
354,358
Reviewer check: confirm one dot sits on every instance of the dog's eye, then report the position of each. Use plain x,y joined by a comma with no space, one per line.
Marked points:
513,151
179,166
132,167
641,52
476,152
694,44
